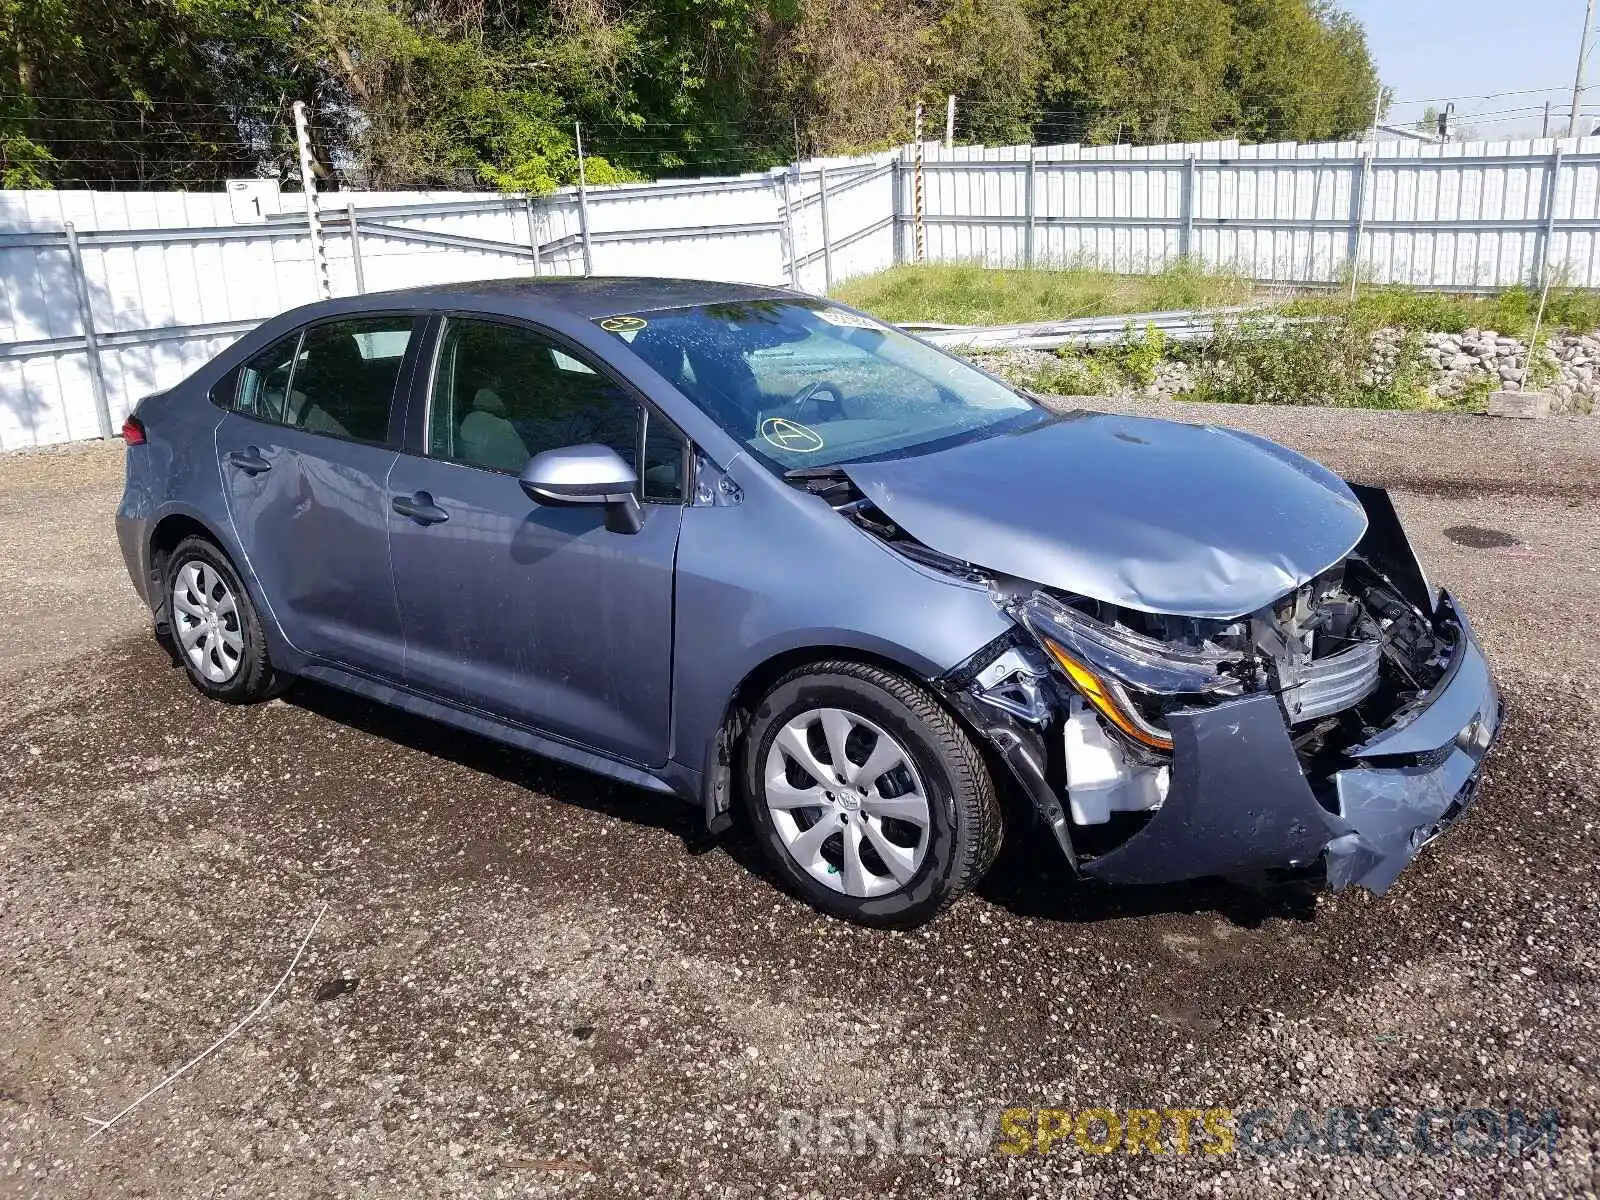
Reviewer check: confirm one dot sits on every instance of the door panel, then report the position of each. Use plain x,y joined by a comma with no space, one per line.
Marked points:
536,614
314,530
304,462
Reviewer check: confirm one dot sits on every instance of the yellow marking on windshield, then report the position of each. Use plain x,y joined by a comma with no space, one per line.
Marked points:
791,435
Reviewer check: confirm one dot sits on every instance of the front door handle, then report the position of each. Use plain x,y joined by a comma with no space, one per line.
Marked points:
420,508
249,461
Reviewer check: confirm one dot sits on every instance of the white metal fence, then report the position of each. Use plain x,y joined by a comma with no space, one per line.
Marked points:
105,297
1466,215
108,296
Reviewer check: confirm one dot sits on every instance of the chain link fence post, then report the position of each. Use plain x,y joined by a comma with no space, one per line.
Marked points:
827,238
355,247
583,203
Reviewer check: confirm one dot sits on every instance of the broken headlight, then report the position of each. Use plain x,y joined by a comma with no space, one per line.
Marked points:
1121,672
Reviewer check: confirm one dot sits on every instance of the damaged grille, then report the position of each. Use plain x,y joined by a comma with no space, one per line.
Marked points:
1322,647
1335,683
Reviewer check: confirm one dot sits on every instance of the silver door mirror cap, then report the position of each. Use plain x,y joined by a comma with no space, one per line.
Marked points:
588,474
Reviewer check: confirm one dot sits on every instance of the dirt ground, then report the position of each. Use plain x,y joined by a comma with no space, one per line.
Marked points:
549,994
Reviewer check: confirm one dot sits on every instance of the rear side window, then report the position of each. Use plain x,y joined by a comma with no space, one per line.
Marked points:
336,379
344,377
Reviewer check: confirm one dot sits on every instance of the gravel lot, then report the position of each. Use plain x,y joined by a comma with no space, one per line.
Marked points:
554,997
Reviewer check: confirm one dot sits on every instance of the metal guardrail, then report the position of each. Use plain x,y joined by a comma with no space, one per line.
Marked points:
1178,326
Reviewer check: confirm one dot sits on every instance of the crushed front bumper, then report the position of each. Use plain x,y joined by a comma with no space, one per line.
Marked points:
1240,804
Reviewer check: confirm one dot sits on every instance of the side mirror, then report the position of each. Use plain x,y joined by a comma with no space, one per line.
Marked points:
589,474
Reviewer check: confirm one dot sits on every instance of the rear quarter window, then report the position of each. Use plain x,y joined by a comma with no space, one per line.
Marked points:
226,390
263,382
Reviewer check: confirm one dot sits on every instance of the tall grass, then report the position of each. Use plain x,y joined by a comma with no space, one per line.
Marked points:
968,294
1511,311
1254,359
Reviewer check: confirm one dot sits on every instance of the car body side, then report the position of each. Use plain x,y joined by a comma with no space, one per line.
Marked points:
766,575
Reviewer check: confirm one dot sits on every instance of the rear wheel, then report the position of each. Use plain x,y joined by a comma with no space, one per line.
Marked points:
867,796
213,626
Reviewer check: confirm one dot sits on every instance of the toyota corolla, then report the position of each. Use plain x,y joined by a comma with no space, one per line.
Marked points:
739,545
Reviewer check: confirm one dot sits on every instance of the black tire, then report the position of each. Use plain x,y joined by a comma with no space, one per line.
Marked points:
964,830
254,679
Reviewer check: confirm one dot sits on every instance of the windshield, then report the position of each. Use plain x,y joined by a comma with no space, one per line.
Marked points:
804,384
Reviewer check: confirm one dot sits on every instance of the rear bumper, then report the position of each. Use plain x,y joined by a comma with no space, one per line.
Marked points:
1240,804
132,538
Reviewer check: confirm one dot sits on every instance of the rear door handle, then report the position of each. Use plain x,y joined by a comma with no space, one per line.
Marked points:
249,460
420,508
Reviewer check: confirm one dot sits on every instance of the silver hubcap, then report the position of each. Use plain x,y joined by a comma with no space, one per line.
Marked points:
847,802
206,620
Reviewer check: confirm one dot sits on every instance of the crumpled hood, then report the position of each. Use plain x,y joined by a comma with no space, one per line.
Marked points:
1154,515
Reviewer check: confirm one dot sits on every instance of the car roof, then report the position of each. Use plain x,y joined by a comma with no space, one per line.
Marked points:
588,296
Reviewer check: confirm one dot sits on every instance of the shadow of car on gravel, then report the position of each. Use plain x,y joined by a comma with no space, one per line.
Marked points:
562,783
1030,879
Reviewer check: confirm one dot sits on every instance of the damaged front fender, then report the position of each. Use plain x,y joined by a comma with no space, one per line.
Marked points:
1387,548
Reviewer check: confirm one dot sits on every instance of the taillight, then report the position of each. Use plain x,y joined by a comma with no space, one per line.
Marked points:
133,431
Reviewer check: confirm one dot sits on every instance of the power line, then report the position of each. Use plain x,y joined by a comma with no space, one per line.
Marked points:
123,142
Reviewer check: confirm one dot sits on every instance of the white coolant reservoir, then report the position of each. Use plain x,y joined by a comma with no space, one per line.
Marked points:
1100,778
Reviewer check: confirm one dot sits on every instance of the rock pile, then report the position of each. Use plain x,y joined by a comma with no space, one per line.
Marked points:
1457,363
1173,378
1577,385
1460,361
1451,365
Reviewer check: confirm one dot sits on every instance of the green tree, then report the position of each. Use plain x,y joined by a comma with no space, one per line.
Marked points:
1301,72
433,103
1135,70
989,54
1180,70
847,73
410,93
101,93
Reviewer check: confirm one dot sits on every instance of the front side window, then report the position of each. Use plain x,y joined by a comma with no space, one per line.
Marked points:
502,394
803,384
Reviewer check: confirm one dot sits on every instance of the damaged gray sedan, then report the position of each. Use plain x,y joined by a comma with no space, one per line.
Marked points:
737,544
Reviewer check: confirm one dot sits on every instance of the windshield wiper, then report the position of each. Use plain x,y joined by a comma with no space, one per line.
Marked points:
801,474
830,482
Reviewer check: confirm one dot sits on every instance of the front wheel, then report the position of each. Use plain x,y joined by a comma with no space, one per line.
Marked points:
867,796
